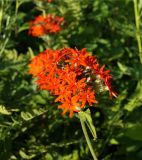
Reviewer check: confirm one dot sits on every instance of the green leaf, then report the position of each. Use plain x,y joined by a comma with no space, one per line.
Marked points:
134,132
39,99
28,115
114,141
48,156
3,110
136,99
124,69
24,27
24,155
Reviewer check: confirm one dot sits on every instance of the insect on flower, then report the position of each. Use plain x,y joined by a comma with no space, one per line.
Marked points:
73,75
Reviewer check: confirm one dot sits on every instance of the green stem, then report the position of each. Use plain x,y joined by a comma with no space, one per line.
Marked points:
16,8
138,35
86,135
89,123
137,21
1,14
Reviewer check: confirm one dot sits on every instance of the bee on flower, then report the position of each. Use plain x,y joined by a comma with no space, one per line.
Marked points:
70,75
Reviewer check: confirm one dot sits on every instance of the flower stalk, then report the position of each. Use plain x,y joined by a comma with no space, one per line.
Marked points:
85,117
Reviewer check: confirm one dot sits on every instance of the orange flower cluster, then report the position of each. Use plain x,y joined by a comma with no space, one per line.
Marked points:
44,25
71,75
49,1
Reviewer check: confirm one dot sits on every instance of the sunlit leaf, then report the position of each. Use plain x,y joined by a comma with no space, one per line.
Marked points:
3,110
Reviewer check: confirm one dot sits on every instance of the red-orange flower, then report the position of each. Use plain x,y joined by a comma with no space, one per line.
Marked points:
45,25
49,1
72,76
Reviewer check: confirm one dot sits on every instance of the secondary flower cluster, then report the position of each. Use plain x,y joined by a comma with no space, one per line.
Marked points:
44,25
72,75
49,1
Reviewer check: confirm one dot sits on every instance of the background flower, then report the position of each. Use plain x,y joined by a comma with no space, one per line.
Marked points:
43,25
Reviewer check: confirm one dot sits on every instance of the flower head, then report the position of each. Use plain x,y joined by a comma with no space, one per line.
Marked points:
45,25
72,75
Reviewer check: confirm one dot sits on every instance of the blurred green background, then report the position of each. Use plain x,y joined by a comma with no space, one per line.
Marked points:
31,126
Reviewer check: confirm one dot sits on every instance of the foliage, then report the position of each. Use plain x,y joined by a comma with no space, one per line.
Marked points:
31,126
